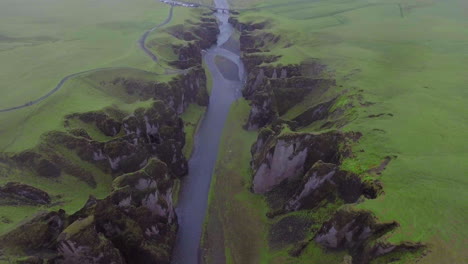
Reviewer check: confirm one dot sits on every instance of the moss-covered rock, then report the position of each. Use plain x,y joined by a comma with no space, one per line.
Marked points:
40,232
198,36
106,124
37,163
14,193
272,91
81,243
313,114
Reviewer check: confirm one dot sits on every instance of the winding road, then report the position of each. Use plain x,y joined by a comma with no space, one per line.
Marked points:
142,40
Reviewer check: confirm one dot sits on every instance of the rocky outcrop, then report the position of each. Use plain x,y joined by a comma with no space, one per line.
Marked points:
301,171
155,131
289,156
38,233
350,228
313,114
135,224
243,27
86,246
106,124
178,93
354,230
198,36
324,181
14,193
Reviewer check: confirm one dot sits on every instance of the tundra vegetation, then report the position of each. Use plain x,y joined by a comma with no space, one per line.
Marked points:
349,145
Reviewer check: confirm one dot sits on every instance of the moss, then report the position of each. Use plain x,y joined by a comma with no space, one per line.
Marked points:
289,230
76,227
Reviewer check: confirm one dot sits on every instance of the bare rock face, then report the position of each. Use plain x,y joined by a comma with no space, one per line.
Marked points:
317,185
350,228
326,182
16,194
290,156
358,231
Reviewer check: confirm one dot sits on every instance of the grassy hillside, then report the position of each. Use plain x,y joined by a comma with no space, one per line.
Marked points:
400,69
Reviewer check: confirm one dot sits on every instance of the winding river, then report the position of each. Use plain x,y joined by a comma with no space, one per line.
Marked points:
193,199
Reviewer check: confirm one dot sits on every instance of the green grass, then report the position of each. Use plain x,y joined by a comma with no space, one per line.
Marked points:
52,39
412,67
192,117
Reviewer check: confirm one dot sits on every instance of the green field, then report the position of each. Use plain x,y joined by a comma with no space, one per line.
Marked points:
409,64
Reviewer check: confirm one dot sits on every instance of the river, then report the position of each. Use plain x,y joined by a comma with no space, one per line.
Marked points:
193,200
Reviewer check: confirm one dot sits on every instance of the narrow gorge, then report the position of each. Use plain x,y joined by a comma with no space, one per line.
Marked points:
237,132
193,200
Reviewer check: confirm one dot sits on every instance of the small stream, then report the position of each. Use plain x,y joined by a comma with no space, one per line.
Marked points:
193,200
